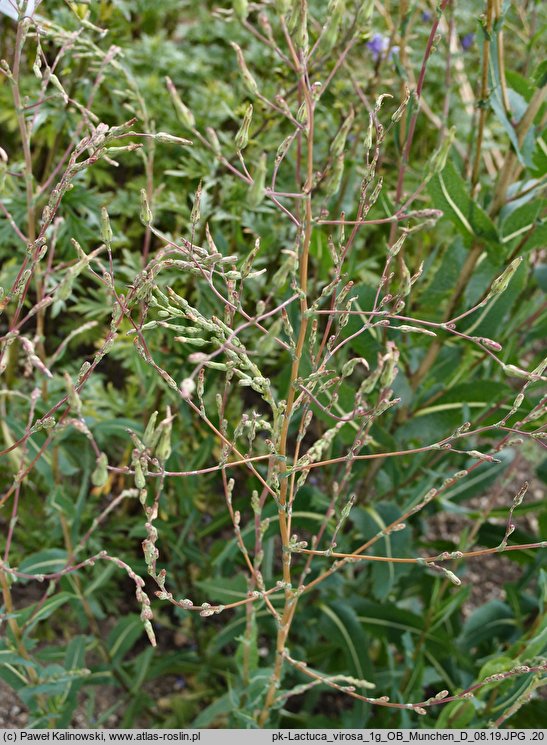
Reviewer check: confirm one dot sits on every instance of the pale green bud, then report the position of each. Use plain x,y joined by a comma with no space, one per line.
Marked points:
439,157
364,14
196,209
339,142
64,288
283,148
398,113
99,477
500,284
184,114
146,213
148,436
241,9
171,139
215,142
140,481
73,397
106,230
416,329
242,137
163,450
331,29
249,81
334,176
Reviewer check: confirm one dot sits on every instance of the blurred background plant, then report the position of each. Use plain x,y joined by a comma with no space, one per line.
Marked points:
132,358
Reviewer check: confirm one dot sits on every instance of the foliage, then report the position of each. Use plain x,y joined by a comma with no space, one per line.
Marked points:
274,303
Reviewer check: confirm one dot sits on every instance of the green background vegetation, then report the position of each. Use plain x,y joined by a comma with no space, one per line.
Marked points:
403,627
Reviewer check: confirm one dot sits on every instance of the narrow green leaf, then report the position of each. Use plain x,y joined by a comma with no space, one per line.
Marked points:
450,193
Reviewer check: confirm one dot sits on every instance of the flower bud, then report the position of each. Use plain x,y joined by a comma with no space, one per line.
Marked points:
242,137
171,139
241,9
146,214
439,157
339,142
501,283
196,209
398,113
215,142
106,230
331,29
140,481
99,477
248,80
184,114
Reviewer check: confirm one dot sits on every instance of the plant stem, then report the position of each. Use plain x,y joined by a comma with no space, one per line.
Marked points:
483,95
285,499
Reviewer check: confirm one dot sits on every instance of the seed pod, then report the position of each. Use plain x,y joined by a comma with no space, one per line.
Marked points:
394,250
54,80
106,230
452,577
140,481
365,14
368,138
334,177
184,114
241,9
215,142
73,397
242,137
196,209
438,160
171,139
146,213
500,284
375,193
339,142
302,113
389,371
298,24
163,450
83,371
37,66
416,329
282,149
406,280
248,80
64,288
331,29
398,113
350,366
99,477
256,193
516,372
148,437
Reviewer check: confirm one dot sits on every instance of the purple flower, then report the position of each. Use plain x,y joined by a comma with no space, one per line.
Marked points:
426,16
467,41
378,45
